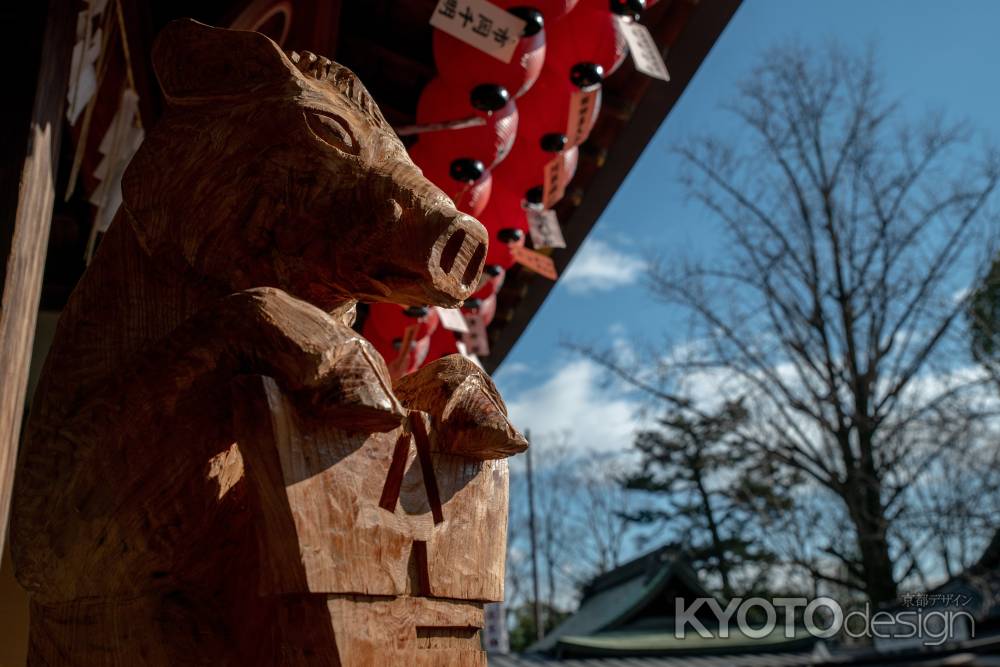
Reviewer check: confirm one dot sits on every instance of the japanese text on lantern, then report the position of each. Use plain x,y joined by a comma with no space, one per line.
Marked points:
554,180
480,24
581,107
536,261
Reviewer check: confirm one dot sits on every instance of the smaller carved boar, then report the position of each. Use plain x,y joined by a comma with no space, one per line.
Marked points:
270,198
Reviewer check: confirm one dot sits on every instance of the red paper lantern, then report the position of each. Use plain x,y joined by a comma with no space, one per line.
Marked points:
506,223
415,357
388,348
493,277
389,320
524,169
485,307
473,198
466,181
386,327
586,43
442,343
570,157
544,111
501,245
488,143
464,67
484,301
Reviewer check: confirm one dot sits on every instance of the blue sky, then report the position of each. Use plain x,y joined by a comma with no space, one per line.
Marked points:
935,56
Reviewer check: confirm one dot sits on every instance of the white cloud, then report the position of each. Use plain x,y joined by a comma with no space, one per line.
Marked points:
514,369
599,267
571,401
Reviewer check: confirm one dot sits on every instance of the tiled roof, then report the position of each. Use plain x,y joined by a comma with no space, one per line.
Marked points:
978,652
615,595
750,660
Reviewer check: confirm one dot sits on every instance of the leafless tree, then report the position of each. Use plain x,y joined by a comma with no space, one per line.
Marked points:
517,587
605,505
955,506
580,526
852,231
556,537
557,532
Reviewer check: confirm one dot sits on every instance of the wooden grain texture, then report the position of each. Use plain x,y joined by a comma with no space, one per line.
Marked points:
469,417
324,528
36,157
174,506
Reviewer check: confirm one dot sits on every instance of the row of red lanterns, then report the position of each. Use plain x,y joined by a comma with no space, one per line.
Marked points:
494,165
412,336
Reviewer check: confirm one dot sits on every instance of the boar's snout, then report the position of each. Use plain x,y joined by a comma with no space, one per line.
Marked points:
434,258
432,254
457,256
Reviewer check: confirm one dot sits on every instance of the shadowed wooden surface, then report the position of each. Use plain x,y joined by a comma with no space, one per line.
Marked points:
174,506
424,563
30,164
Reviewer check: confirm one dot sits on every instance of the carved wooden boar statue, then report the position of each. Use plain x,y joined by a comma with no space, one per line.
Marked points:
217,468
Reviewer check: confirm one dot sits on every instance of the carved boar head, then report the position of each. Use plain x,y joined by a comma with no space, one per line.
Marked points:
266,171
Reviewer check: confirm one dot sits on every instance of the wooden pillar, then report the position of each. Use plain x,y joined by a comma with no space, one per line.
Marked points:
37,45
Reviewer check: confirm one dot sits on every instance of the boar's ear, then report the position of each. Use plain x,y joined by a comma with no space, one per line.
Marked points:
195,62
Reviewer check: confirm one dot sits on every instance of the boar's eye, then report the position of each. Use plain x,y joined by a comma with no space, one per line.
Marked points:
333,130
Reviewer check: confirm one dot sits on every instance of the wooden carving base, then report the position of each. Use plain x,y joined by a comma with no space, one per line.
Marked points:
307,631
371,550
420,532
380,515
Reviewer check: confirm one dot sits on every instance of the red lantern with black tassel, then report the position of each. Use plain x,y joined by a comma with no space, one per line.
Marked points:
506,223
386,328
466,181
524,170
493,277
571,158
442,343
484,301
485,307
488,143
544,112
589,36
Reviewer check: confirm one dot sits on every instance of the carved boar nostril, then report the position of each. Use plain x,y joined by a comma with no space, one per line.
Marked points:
451,249
472,268
456,259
